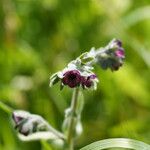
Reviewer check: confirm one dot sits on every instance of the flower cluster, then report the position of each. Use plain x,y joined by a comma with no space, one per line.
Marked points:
112,57
75,75
73,78
79,72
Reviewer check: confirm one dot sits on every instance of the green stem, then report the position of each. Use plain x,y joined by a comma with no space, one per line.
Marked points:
5,108
54,131
70,139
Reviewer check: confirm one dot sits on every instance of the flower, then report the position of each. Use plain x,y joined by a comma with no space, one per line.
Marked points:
88,81
72,78
118,42
75,78
74,75
79,71
119,53
112,56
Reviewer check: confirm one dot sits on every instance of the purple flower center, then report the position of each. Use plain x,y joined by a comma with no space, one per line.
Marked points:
72,78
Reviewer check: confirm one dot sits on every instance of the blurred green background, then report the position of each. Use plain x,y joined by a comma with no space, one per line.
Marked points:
39,37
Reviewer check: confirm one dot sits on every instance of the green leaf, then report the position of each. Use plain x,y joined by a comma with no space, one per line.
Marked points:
117,143
83,55
85,58
61,86
54,80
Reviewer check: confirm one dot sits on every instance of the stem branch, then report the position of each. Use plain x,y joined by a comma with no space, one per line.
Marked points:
56,132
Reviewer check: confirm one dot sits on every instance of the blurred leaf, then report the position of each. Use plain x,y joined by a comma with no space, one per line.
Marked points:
116,143
136,16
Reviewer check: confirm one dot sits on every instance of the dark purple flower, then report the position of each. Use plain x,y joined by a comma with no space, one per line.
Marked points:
87,81
72,78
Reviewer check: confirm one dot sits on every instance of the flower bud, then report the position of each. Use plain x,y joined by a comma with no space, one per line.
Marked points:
17,119
112,57
27,123
20,117
119,43
119,53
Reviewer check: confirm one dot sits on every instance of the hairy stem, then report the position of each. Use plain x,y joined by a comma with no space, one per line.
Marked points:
56,132
70,139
